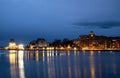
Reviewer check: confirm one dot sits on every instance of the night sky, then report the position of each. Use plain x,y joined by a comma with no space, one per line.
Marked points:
26,20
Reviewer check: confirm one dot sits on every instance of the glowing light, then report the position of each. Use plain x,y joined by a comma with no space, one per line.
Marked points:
85,48
43,48
61,48
52,48
31,47
12,58
75,48
21,64
21,47
68,47
12,61
37,56
48,48
12,45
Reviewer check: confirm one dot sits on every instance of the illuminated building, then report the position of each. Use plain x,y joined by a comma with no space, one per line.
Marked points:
12,45
68,47
83,42
39,44
31,47
93,42
91,34
21,47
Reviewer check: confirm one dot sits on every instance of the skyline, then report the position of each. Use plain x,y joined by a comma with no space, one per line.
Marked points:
58,39
30,19
83,42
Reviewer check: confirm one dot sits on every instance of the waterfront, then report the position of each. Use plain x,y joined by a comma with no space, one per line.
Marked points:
83,42
59,64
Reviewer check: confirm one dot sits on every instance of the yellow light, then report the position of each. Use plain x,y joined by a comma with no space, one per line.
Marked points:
61,48
31,47
48,48
85,48
12,57
52,48
12,51
75,48
68,47
12,45
43,48
37,56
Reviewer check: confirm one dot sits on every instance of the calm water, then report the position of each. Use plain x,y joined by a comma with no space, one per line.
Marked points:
61,64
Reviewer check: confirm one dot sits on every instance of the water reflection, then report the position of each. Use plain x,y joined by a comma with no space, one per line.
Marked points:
62,64
92,65
37,56
21,64
16,64
12,56
13,61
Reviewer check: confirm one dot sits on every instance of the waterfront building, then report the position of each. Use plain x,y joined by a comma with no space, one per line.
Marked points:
93,42
41,43
21,47
38,44
12,45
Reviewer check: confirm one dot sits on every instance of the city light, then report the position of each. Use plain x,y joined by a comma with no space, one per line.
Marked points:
12,46
83,42
21,47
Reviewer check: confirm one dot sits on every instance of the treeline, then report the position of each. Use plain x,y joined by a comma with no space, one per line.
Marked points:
58,43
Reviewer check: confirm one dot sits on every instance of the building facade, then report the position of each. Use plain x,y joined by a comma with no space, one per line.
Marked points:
93,42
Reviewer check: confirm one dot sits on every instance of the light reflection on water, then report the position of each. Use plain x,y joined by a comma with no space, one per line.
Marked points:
59,64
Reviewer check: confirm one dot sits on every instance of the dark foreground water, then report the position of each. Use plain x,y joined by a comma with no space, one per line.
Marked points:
61,64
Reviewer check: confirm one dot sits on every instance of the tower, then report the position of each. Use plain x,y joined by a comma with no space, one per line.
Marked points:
91,34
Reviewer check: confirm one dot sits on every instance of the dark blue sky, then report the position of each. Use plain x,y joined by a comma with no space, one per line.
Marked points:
25,20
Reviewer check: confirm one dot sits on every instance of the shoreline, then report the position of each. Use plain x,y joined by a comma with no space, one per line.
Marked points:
55,50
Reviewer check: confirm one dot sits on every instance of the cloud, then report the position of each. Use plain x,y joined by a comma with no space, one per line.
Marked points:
104,25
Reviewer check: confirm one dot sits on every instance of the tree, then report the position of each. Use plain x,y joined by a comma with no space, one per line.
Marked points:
67,42
56,43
